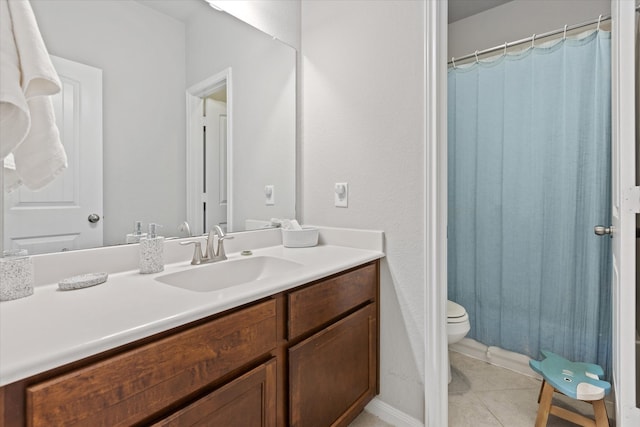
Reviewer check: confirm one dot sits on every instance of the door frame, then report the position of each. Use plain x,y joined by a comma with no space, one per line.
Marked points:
194,139
435,227
436,406
623,134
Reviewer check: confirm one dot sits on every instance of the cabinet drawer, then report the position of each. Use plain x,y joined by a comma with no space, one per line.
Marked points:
128,387
318,304
249,400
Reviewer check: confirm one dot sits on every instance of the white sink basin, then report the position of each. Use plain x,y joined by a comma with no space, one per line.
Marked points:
225,274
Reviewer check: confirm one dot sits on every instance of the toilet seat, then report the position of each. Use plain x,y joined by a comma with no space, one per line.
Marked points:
456,313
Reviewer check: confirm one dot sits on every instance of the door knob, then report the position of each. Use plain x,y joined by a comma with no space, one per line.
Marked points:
93,218
601,230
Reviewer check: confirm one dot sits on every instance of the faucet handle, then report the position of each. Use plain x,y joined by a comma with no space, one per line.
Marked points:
220,253
197,251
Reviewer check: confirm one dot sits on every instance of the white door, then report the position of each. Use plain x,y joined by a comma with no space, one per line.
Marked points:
56,218
216,163
625,205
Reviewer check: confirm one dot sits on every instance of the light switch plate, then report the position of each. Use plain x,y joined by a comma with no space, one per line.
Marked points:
269,195
341,194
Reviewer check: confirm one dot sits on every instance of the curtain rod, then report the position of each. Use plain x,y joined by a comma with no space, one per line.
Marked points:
505,46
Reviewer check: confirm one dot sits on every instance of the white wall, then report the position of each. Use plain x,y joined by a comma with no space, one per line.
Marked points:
519,19
141,53
263,104
363,121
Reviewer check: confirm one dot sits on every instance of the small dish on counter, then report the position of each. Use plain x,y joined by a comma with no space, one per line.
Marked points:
305,238
82,281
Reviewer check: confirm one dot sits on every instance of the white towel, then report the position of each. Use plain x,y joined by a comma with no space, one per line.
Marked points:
14,112
27,79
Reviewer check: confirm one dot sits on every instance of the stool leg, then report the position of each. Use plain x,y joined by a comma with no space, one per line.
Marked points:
546,395
600,411
541,387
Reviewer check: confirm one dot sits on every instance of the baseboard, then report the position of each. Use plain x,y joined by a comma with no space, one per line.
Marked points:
495,355
391,415
471,348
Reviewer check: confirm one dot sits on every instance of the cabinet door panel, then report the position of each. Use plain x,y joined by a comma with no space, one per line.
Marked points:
320,303
127,388
248,401
332,374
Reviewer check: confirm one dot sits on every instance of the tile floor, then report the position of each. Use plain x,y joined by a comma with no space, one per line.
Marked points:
365,419
483,395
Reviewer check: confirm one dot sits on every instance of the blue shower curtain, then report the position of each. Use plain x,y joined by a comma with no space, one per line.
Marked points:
529,177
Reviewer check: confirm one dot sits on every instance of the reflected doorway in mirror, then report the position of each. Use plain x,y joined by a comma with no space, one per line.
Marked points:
215,159
208,154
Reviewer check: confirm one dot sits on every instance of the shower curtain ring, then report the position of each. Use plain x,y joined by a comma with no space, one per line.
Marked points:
505,49
564,36
453,61
476,54
599,19
533,41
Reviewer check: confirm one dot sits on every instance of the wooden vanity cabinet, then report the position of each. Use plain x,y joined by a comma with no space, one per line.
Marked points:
303,358
333,371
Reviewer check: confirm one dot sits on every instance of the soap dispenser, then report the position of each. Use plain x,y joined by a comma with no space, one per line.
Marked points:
151,251
137,233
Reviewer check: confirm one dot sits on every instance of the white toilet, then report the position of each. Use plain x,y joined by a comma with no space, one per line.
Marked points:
457,326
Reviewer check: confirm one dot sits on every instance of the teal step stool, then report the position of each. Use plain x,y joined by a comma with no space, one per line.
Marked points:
580,381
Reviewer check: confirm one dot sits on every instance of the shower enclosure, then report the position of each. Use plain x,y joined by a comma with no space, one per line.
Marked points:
625,206
529,175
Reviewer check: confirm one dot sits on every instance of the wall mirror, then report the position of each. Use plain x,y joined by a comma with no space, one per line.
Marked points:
146,85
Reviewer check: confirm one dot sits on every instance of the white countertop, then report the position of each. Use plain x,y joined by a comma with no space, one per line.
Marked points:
52,328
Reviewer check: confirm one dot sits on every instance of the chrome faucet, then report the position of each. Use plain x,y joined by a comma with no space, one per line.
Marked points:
210,255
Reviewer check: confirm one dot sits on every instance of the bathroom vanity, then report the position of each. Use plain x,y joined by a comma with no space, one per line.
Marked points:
304,355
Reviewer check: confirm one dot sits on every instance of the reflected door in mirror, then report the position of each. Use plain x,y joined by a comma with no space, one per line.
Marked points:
56,218
215,168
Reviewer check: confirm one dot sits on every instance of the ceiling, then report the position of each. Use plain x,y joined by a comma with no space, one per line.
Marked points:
460,9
